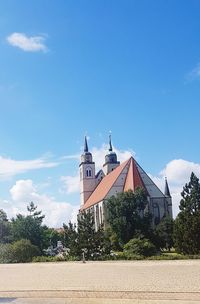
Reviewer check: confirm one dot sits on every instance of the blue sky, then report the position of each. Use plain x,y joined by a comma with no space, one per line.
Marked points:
71,67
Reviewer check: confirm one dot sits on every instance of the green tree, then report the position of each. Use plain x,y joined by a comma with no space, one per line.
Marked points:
28,227
164,233
4,227
37,215
23,251
6,253
93,242
140,246
71,239
18,252
50,237
187,223
127,216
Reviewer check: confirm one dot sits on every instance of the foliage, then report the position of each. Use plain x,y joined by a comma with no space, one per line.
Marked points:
164,233
4,228
187,223
28,227
23,251
6,253
54,259
37,215
127,215
140,247
3,216
93,243
50,237
19,252
70,238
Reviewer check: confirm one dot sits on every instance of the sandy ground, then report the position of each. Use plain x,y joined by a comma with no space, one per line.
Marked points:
136,280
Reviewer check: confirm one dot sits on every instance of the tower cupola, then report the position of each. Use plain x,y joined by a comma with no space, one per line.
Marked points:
86,157
110,159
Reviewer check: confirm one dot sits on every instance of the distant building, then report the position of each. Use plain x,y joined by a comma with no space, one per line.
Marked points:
114,178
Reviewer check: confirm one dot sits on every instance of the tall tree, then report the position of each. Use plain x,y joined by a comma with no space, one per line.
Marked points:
70,238
164,233
28,227
187,223
4,227
91,241
127,216
37,215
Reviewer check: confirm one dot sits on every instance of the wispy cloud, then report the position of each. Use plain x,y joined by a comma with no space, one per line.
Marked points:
194,74
27,44
70,183
10,167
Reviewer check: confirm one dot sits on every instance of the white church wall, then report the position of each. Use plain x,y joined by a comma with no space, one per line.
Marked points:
118,186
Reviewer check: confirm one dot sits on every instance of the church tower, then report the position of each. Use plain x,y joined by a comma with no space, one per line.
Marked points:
110,159
87,174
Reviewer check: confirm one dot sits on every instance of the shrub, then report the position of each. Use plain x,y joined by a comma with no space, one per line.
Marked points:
54,259
139,247
23,251
6,253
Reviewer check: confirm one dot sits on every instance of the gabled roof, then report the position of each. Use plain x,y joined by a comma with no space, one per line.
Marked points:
104,186
135,177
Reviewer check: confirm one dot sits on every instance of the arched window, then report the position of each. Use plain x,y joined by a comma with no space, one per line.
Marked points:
156,212
88,172
97,216
101,215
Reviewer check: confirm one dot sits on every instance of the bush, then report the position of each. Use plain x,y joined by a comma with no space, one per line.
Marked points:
54,259
6,253
46,259
139,247
23,251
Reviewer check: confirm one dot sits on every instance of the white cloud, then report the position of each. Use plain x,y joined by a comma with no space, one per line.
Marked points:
178,173
56,212
71,183
27,44
10,167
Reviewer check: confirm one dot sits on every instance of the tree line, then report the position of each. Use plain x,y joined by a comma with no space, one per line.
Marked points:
129,232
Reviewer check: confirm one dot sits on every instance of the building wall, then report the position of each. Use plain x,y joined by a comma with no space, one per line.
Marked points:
119,183
87,183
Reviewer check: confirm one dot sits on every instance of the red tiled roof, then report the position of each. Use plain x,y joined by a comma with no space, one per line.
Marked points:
104,186
133,179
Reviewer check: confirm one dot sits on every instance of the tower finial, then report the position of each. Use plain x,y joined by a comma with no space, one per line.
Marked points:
110,143
167,192
85,145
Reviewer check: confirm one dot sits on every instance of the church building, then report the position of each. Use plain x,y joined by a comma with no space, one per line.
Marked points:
114,178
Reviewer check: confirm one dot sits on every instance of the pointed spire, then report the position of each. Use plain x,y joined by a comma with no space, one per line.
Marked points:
167,192
110,144
85,145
